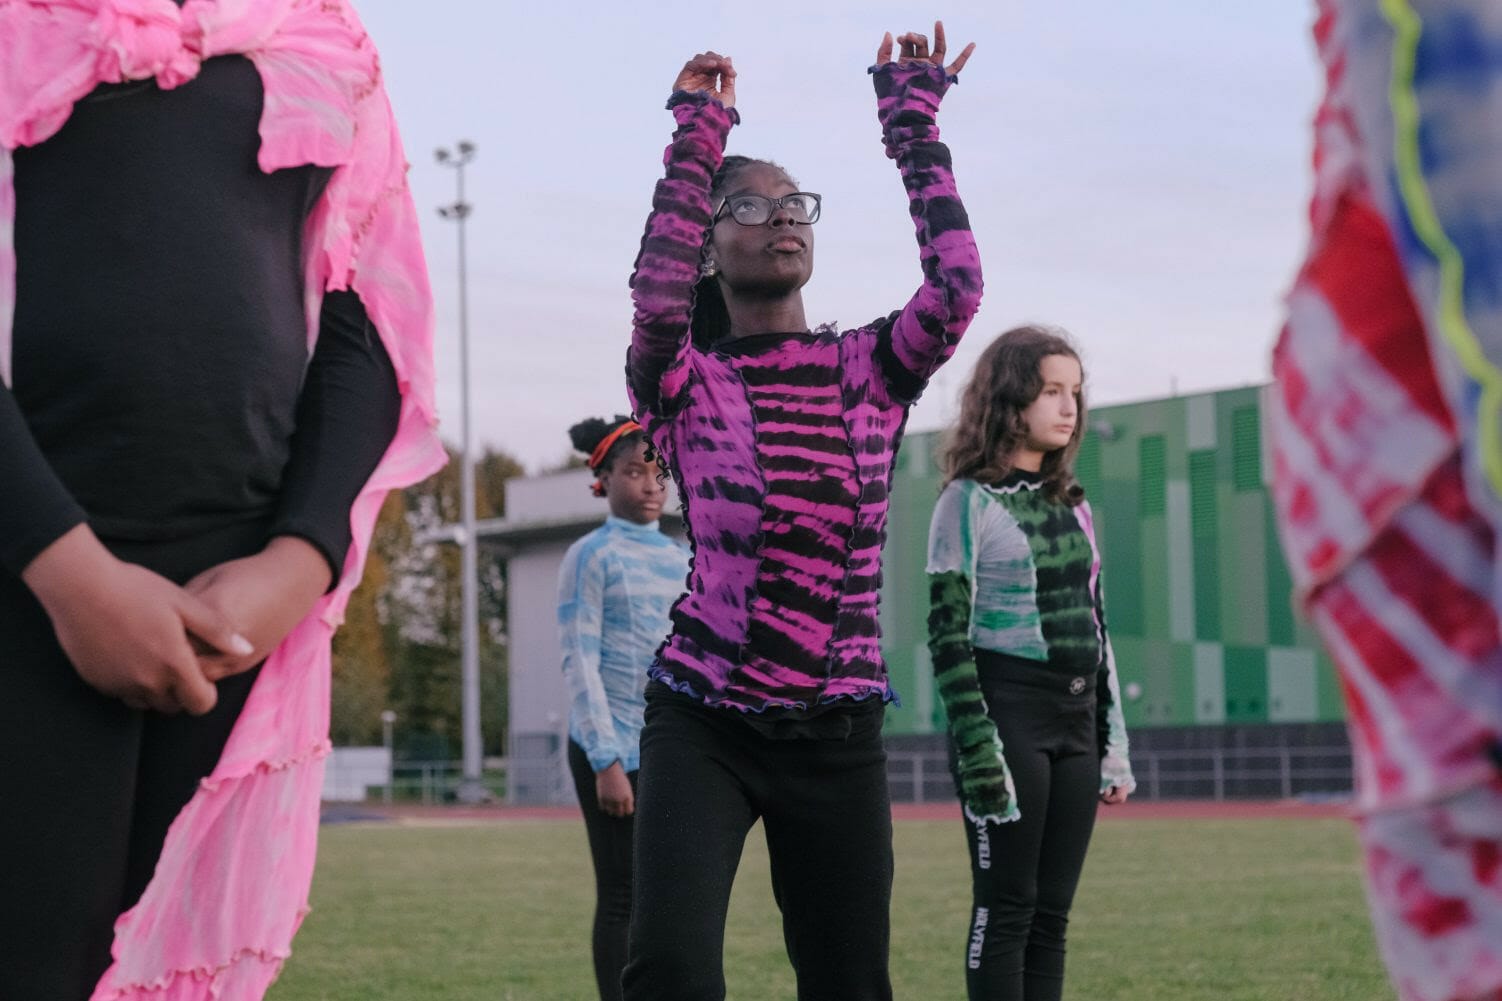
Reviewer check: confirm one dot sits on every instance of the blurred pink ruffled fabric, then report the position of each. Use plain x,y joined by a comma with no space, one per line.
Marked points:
1382,438
231,889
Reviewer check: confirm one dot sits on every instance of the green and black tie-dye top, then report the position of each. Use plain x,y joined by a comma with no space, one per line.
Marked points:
1025,581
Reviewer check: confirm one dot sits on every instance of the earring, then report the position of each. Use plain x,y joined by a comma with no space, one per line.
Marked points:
708,269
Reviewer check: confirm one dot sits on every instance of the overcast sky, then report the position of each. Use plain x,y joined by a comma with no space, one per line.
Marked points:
1135,172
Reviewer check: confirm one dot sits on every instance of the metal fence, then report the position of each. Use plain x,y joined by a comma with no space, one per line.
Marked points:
922,776
430,782
1231,773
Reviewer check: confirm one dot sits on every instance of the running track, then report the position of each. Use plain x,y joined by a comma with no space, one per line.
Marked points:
1143,810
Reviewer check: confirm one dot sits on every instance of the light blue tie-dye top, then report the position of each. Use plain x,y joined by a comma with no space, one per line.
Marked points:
615,589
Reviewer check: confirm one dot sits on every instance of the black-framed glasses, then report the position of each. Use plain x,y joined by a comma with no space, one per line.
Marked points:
754,210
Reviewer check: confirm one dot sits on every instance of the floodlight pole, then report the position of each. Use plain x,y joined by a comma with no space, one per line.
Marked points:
471,786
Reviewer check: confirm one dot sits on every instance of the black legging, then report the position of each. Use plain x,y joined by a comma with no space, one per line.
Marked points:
610,849
90,785
706,776
1024,873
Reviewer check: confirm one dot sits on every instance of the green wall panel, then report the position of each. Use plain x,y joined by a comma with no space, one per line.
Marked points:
1132,663
1150,576
1209,660
1292,685
1087,464
1245,580
1174,433
1116,519
1119,456
1204,521
1246,684
1183,705
1246,449
1331,699
1281,626
1158,704
1152,475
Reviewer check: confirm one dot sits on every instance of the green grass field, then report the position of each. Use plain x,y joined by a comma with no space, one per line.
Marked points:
1169,910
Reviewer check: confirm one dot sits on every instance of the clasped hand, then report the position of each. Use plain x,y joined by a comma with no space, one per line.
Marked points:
136,636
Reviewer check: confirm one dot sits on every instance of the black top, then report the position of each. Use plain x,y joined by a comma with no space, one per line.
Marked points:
160,341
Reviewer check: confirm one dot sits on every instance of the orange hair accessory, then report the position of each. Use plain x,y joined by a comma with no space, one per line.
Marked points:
597,457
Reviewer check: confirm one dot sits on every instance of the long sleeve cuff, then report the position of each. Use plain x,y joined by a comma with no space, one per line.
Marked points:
602,756
907,103
346,419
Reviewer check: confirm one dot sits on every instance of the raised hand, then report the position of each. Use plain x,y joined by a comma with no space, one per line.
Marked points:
128,631
913,48
710,73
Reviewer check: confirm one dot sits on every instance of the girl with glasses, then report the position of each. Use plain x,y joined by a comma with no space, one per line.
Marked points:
767,698
1020,654
614,590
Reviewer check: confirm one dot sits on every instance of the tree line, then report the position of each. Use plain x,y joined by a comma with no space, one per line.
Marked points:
399,646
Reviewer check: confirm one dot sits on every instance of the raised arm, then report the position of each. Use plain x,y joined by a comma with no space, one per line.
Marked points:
923,335
658,362
985,783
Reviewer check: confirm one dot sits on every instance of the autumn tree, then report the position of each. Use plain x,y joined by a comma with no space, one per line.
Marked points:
400,645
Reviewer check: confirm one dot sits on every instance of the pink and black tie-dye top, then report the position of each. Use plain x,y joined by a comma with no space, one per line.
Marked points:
782,444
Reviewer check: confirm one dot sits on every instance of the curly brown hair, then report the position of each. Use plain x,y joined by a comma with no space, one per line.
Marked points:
990,428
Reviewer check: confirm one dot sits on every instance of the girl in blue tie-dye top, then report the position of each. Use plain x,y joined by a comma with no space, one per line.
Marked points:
615,589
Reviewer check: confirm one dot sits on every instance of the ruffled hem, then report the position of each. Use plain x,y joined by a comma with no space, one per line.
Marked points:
701,98
265,820
1116,774
720,700
914,68
234,978
1011,816
316,752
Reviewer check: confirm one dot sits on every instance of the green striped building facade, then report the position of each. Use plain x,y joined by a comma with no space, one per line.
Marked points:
1198,597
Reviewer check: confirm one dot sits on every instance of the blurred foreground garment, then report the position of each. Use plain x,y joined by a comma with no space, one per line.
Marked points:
231,886
1386,426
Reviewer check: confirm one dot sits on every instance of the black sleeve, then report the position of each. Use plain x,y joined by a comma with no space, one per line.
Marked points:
346,417
35,508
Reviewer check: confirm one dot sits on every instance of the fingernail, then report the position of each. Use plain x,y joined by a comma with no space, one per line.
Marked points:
239,644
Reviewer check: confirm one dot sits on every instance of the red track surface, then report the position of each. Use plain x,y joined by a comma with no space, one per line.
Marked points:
1136,810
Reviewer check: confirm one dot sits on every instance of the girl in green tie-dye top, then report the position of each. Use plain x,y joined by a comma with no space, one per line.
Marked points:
1018,636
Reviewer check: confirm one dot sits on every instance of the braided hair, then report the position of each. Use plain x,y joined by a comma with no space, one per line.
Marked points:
588,434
